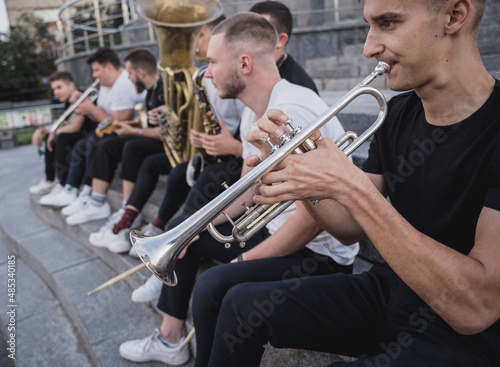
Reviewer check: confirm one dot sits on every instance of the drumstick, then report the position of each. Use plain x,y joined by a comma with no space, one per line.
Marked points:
188,338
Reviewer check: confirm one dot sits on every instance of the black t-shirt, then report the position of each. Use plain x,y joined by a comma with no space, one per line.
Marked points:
439,179
294,73
154,96
88,124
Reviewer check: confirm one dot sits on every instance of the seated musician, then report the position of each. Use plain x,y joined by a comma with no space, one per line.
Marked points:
128,142
435,301
280,17
64,137
242,65
116,100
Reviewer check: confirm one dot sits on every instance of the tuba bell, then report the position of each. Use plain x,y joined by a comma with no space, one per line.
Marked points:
177,24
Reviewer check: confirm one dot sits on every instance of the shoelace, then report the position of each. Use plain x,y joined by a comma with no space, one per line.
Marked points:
149,343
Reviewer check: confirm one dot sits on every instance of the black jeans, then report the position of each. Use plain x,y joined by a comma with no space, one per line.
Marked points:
214,284
373,316
65,144
151,168
109,153
81,156
50,161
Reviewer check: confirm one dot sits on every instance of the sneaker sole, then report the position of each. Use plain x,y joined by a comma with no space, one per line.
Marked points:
71,223
159,358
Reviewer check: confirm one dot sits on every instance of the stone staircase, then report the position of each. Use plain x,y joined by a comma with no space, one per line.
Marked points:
56,323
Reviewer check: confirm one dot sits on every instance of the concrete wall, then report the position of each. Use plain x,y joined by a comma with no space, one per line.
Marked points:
331,55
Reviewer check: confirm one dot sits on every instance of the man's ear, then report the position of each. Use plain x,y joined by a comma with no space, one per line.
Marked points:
140,73
282,40
458,12
245,64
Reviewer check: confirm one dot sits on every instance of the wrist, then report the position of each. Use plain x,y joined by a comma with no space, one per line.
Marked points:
141,131
240,257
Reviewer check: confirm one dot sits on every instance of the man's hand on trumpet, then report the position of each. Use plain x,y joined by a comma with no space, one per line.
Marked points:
324,173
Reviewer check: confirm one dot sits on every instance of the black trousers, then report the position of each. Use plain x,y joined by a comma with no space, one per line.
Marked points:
109,153
175,300
65,143
50,161
373,316
214,283
207,186
151,168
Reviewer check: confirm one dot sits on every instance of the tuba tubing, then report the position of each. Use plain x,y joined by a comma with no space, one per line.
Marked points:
161,252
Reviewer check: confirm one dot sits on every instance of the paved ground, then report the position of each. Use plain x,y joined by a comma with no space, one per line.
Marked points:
56,324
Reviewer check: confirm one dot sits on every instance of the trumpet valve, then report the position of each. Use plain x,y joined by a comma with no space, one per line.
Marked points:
273,147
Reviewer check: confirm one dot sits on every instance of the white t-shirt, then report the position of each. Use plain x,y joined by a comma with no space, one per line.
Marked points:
303,106
228,111
122,95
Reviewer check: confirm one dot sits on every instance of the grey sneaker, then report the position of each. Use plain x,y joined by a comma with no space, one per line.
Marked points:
152,348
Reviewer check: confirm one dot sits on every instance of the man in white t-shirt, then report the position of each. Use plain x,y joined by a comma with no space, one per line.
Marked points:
242,65
117,99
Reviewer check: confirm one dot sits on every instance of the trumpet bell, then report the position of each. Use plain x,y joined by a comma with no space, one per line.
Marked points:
157,252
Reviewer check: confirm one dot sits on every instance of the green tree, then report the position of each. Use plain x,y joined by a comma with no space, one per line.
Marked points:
25,59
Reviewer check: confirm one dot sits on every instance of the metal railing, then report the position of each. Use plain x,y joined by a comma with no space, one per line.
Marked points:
86,25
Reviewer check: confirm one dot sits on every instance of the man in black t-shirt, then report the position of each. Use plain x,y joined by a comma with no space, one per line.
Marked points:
66,135
280,17
435,301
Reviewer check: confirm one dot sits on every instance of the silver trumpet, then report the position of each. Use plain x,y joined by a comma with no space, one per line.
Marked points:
160,253
69,115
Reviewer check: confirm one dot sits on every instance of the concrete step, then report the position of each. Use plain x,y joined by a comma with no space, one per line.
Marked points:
58,324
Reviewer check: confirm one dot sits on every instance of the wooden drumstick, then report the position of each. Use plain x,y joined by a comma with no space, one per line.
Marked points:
116,279
188,338
129,272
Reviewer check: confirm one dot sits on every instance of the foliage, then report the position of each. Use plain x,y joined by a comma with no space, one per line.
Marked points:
25,59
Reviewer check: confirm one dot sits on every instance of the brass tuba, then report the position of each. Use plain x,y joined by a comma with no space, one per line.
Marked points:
176,24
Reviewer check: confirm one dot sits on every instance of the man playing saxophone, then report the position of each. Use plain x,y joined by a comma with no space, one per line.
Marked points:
436,299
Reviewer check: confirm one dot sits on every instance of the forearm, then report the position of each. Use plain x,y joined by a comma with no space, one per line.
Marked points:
73,126
453,284
336,220
293,235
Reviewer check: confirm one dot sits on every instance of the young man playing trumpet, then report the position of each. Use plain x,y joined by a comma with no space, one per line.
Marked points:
242,65
436,300
64,137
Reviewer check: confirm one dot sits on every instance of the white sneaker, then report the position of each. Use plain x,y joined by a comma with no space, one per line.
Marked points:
56,189
148,230
149,291
116,243
152,348
76,205
97,237
59,198
89,212
42,188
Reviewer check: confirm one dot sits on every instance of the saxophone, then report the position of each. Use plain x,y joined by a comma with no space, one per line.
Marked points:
210,124
177,24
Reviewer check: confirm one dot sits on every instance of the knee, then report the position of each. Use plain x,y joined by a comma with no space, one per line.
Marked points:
208,286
